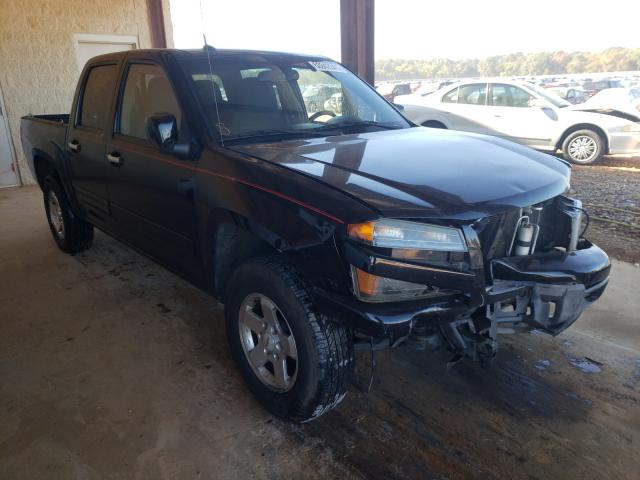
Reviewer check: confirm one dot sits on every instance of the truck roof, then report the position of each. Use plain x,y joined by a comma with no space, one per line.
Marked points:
200,51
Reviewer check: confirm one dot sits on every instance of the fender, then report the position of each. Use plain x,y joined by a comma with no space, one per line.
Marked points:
584,126
229,237
273,209
60,165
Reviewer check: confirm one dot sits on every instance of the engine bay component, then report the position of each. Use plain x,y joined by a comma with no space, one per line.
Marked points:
525,235
571,210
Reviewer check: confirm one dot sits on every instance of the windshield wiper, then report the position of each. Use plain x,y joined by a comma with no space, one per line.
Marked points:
360,123
257,134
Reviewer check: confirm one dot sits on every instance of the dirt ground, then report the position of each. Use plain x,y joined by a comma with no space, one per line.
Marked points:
610,191
111,367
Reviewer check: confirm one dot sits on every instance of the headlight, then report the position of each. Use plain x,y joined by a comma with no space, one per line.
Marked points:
635,127
389,233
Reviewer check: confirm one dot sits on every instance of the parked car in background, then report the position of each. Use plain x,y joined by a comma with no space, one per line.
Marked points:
623,101
315,96
390,90
591,87
426,88
573,95
527,114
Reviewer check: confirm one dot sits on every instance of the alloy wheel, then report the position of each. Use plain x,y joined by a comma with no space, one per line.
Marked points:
268,343
55,214
583,148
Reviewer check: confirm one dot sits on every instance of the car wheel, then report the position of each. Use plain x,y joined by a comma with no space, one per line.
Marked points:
71,233
583,147
295,361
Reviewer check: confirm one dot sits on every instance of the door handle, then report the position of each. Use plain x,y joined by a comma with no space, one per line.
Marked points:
74,146
115,159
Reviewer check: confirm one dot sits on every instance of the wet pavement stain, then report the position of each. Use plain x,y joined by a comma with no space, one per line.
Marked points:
586,365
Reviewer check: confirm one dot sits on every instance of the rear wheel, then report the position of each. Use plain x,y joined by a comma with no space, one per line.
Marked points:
71,233
583,147
295,361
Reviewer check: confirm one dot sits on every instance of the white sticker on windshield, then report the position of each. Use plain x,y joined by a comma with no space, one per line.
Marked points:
327,66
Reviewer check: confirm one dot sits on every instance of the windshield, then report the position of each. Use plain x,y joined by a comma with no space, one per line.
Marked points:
550,97
262,95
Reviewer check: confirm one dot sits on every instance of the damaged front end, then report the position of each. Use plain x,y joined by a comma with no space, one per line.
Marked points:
461,285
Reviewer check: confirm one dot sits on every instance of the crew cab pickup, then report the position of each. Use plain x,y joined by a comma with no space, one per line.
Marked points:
321,231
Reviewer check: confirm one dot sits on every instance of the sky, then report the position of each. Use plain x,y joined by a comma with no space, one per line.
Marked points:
412,29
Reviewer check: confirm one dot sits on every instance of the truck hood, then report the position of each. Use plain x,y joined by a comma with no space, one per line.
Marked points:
424,173
625,112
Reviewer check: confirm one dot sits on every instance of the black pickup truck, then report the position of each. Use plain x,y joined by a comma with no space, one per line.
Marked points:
321,231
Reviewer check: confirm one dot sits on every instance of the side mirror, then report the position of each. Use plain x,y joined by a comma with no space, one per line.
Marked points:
162,130
538,103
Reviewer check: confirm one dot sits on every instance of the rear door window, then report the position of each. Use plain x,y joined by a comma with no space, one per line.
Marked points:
96,95
451,97
475,94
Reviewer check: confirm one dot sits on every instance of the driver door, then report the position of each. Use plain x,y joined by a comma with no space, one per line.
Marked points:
151,193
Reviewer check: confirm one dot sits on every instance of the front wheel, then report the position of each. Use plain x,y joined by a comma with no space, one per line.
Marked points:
71,233
583,147
295,361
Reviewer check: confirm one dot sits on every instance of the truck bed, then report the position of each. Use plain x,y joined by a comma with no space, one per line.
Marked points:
43,136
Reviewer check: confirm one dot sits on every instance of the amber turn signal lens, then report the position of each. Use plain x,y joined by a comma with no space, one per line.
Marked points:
368,284
372,288
361,231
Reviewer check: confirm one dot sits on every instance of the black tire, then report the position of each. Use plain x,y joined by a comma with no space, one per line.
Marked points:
434,124
324,349
76,235
593,142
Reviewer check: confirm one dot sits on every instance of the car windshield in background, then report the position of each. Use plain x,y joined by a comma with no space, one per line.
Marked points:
271,96
550,97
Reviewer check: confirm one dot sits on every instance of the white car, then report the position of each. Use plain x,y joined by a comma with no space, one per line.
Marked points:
626,100
527,114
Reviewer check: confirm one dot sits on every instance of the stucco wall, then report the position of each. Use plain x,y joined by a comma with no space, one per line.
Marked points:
38,68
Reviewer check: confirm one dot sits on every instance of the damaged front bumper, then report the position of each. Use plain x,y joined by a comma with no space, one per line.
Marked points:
546,291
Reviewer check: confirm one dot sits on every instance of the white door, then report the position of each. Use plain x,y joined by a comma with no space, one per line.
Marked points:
89,45
464,108
513,115
8,177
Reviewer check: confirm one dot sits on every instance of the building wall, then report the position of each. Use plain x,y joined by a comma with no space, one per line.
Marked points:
38,69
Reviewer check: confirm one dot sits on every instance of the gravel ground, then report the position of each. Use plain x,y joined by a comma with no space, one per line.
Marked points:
610,192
